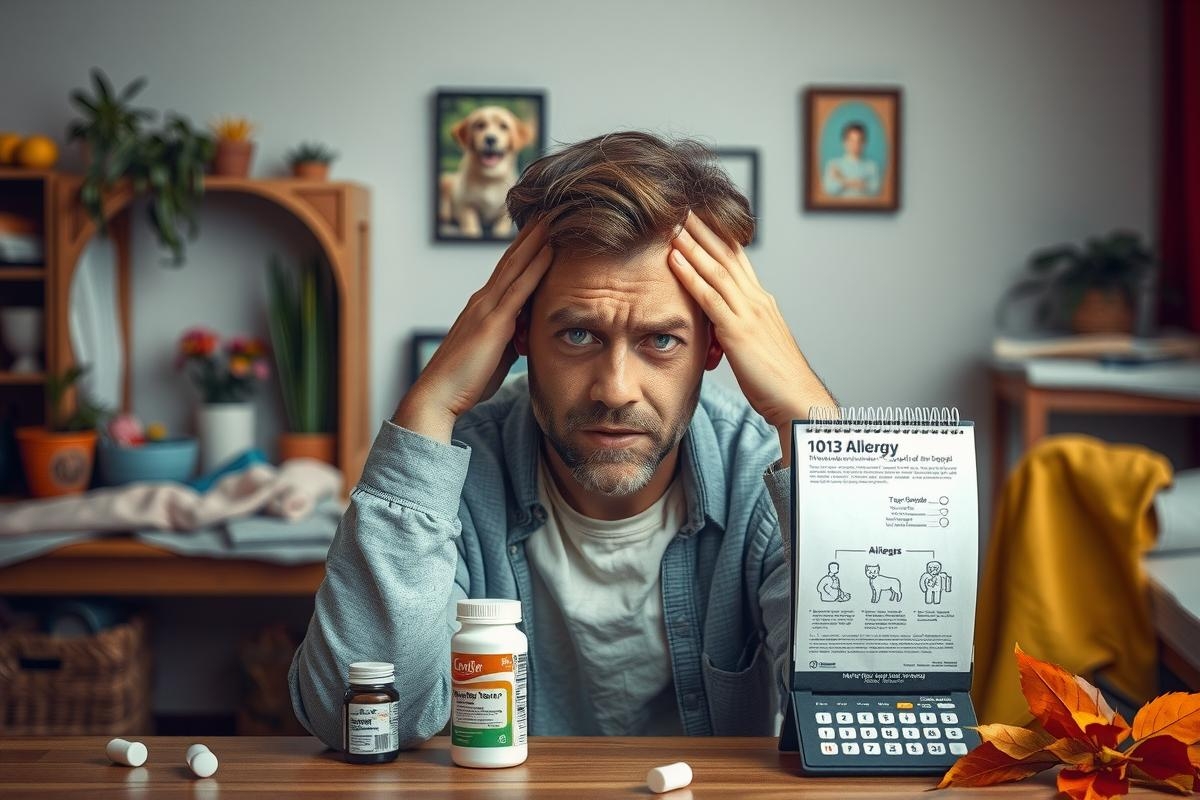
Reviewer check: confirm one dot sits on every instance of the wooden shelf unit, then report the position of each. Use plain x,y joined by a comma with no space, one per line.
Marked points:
28,192
337,213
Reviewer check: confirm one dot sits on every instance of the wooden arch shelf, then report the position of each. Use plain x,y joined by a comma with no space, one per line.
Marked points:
338,215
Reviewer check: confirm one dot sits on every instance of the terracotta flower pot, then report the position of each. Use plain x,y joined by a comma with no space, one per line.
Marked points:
233,158
56,463
307,445
1103,311
311,170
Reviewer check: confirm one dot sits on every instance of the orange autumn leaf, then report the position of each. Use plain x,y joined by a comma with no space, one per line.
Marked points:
986,765
1099,785
1054,695
1081,731
1164,758
1174,714
1015,742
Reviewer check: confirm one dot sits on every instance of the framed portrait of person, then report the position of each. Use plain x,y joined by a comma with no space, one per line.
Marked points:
850,148
741,165
483,139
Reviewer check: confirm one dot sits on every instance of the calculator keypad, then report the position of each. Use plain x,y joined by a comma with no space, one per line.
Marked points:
878,732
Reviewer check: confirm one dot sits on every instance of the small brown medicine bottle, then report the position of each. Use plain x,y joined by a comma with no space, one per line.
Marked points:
371,714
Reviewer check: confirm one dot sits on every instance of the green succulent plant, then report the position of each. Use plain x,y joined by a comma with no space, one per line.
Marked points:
167,164
311,151
87,413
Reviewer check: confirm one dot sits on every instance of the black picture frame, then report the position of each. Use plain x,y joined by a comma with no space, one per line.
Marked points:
450,106
424,344
729,157
831,111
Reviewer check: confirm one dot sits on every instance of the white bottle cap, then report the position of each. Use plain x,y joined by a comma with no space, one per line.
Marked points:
489,612
203,762
672,776
372,672
131,754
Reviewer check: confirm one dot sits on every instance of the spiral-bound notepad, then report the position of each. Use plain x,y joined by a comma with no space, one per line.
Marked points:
885,543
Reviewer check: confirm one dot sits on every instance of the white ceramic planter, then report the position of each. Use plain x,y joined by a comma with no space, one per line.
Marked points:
21,329
225,431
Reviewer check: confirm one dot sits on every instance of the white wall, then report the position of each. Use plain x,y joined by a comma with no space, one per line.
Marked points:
1026,123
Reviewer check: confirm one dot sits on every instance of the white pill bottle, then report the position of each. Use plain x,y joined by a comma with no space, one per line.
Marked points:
489,722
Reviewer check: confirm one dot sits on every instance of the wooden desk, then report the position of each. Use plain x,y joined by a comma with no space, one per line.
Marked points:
1010,386
579,769
124,566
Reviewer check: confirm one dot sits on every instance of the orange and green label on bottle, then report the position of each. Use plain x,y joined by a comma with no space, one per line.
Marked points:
488,699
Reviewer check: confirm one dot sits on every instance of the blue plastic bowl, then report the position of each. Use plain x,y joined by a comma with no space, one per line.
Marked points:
166,460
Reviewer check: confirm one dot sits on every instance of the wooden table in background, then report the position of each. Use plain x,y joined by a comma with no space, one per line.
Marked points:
1035,404
122,566
577,769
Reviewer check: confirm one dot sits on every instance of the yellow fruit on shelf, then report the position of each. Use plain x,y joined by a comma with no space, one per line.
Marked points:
156,431
37,152
8,147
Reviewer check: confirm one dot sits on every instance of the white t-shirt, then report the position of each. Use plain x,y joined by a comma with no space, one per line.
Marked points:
598,622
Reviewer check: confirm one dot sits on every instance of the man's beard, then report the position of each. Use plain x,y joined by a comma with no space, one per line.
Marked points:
595,471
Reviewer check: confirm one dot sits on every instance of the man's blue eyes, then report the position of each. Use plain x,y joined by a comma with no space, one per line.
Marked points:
660,342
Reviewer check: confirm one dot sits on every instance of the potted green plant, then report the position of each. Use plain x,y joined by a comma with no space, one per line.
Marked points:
235,148
167,164
1089,288
302,335
58,457
311,160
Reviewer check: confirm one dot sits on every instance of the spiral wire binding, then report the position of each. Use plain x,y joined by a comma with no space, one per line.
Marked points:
884,419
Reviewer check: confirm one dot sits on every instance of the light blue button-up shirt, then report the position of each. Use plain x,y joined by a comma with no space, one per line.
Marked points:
431,523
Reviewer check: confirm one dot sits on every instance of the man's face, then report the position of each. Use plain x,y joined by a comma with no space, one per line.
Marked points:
617,349
853,142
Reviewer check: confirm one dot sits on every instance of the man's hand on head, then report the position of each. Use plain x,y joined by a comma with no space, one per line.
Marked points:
766,360
473,359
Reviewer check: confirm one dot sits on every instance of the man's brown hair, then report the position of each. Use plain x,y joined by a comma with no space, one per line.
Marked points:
619,193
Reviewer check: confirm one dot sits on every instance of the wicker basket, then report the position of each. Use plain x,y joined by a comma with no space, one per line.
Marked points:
82,686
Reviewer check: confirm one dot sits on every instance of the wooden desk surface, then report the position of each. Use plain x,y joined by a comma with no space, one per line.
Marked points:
578,769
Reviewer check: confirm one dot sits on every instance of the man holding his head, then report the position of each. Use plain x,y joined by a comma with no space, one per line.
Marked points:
636,511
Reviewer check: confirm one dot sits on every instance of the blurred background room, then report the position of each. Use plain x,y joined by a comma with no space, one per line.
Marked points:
227,247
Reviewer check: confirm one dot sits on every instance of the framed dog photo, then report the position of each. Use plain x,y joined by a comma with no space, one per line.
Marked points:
482,141
741,165
850,149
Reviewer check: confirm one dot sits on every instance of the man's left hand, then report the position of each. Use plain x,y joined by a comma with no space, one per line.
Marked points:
769,366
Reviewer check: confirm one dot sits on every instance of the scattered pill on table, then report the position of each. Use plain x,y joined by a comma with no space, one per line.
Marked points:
671,776
201,761
122,751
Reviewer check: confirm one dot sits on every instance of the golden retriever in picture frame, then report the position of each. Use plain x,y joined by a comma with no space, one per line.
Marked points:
484,140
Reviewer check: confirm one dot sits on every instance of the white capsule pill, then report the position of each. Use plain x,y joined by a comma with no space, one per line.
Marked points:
201,761
131,754
672,776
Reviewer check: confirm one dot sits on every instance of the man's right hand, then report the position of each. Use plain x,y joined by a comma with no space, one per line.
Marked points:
473,359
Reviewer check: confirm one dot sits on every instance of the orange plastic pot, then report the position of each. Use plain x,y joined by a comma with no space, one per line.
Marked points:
233,159
56,464
307,445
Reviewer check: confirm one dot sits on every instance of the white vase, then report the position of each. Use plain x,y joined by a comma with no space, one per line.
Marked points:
21,329
225,431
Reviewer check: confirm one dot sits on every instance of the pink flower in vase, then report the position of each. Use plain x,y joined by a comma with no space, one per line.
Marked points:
126,430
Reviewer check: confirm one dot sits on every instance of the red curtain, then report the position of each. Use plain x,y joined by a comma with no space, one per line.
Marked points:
1180,234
